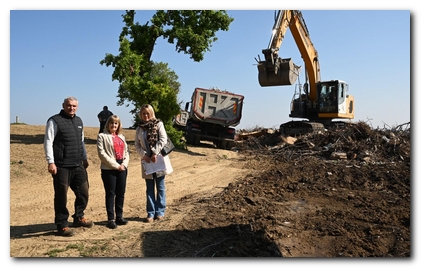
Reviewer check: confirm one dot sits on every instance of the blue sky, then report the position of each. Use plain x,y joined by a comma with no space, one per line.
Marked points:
55,54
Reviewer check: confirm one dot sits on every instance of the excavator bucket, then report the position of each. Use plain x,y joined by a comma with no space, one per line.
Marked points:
284,73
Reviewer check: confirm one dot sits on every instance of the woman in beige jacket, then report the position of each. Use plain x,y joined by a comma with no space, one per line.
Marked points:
114,155
149,140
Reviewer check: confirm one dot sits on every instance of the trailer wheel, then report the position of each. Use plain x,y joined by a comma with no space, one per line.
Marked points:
230,145
223,144
196,140
190,138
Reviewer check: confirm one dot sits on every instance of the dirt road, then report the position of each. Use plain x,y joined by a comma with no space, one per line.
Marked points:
200,170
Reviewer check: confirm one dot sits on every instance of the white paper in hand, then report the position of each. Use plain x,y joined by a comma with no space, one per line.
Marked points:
151,167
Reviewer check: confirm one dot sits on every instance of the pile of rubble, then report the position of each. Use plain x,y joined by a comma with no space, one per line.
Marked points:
353,142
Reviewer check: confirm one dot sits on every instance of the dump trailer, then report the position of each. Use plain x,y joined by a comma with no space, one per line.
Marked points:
211,115
180,120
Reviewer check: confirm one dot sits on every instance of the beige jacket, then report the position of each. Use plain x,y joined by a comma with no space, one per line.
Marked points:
140,144
106,153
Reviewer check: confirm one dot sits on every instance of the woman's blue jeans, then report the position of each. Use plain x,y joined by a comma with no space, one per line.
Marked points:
155,196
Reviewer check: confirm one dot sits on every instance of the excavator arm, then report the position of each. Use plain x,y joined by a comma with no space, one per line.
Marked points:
275,71
307,50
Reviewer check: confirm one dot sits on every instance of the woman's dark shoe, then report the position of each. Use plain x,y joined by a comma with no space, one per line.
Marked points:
111,225
121,221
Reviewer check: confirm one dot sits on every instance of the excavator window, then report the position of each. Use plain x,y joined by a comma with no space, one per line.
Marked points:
332,94
341,94
328,99
323,92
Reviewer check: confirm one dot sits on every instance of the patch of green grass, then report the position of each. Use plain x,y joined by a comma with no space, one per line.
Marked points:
75,246
223,157
98,248
15,170
122,236
94,250
53,253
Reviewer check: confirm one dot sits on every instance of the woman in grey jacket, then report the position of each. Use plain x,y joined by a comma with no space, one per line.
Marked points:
149,140
114,155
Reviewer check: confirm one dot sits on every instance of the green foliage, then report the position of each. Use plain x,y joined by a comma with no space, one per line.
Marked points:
192,31
176,136
144,81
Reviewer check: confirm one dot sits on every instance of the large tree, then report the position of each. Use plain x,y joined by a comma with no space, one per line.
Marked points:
144,81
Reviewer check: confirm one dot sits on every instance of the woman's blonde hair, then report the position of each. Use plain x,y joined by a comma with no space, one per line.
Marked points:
148,108
112,119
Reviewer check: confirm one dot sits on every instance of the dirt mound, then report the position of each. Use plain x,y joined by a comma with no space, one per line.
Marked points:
345,192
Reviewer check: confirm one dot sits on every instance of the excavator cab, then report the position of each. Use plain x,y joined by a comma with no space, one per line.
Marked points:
334,101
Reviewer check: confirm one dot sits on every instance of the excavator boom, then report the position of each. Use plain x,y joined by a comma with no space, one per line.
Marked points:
275,71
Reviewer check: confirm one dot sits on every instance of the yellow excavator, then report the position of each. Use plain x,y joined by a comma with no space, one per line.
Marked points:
319,101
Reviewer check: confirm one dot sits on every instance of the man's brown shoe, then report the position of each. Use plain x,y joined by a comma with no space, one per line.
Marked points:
82,222
149,220
159,218
66,231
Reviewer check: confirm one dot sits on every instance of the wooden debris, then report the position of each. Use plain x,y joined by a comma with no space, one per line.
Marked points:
288,139
336,155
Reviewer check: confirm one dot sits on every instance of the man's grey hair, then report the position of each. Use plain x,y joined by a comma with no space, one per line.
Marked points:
69,99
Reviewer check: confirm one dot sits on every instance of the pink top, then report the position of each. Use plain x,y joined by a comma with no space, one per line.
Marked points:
118,147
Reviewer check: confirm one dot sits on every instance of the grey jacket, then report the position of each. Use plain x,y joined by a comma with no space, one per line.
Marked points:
106,153
141,145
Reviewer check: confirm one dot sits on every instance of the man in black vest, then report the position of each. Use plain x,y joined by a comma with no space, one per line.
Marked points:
102,117
67,162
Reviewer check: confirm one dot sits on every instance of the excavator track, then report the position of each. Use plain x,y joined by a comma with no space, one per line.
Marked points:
293,128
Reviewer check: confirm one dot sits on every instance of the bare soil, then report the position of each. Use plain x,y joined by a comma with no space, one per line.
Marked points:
343,193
